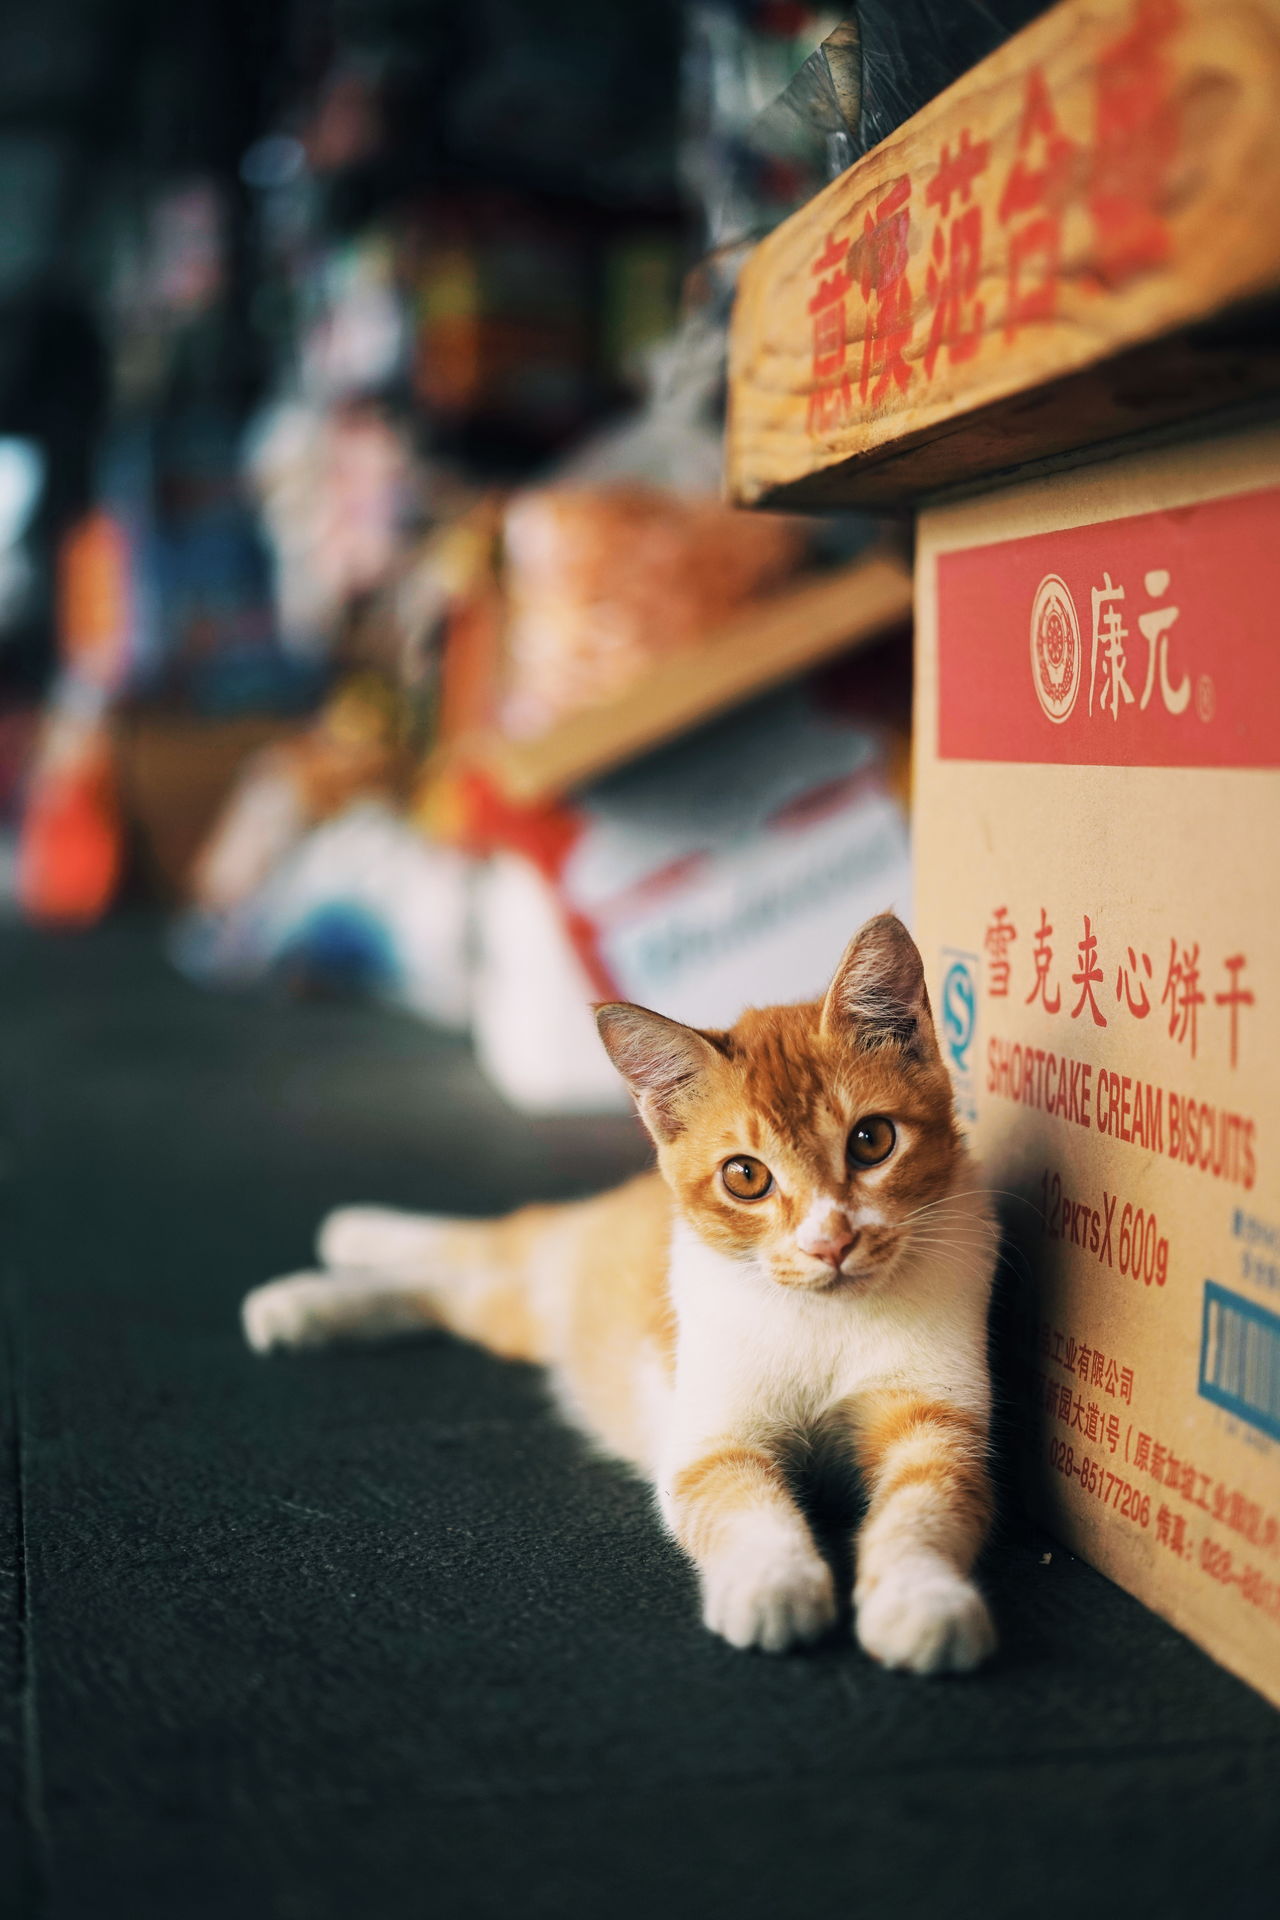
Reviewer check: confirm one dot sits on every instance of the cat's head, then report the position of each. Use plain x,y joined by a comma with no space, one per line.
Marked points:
804,1138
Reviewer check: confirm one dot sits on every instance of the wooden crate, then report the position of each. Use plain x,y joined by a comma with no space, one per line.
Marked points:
1078,240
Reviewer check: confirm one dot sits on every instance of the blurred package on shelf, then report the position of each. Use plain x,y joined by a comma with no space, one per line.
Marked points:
726,870
174,774
529,318
534,1030
628,555
360,904
351,752
502,316
602,583
312,875
208,642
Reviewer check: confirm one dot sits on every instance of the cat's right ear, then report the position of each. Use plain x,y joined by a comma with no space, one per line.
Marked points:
660,1060
878,993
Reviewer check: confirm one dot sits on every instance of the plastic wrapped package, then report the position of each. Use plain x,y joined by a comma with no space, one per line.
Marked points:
351,752
843,79
534,1031
911,50
726,871
757,124
362,903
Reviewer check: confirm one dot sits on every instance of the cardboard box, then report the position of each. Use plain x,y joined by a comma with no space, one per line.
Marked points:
1098,899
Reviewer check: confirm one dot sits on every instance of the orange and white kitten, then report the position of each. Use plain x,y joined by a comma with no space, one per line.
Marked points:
808,1270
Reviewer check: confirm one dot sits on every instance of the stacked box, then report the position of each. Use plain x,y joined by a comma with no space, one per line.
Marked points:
1097,819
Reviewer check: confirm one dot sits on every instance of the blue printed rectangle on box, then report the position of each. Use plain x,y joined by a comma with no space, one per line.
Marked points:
1240,1358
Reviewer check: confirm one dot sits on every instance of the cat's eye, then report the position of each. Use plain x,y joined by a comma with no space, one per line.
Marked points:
872,1140
746,1178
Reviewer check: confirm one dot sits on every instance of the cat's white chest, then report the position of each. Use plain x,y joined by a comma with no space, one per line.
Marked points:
753,1356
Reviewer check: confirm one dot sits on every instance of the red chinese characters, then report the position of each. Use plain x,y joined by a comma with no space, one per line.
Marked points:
1182,994
1130,987
1135,144
830,394
1031,208
1000,936
1235,997
880,254
1088,976
1107,149
1043,957
955,255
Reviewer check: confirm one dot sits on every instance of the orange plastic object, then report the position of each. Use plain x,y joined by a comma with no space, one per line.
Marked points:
71,849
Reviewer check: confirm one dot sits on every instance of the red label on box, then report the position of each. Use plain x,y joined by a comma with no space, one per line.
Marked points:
1145,642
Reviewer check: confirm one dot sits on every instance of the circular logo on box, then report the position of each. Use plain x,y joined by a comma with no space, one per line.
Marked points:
1055,647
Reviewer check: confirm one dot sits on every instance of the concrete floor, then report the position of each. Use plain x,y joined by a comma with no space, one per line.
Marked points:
372,1635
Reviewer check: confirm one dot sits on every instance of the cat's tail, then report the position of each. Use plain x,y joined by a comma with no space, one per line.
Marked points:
389,1274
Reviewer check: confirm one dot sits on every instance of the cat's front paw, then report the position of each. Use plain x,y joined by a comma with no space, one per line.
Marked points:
754,1595
288,1313
924,1617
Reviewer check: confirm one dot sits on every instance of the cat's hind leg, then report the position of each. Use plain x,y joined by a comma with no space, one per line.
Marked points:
384,1240
317,1309
395,1273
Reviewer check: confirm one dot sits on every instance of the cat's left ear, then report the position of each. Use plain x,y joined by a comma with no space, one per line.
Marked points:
661,1061
878,995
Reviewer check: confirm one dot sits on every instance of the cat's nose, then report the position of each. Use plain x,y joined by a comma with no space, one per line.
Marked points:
831,1242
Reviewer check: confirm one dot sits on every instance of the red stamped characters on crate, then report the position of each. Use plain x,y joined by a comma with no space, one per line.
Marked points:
875,263
830,392
999,205
954,271
1090,1365
879,256
1227,1506
1031,208
1135,145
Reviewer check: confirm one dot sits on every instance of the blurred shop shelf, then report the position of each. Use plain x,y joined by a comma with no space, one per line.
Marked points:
771,642
1073,244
